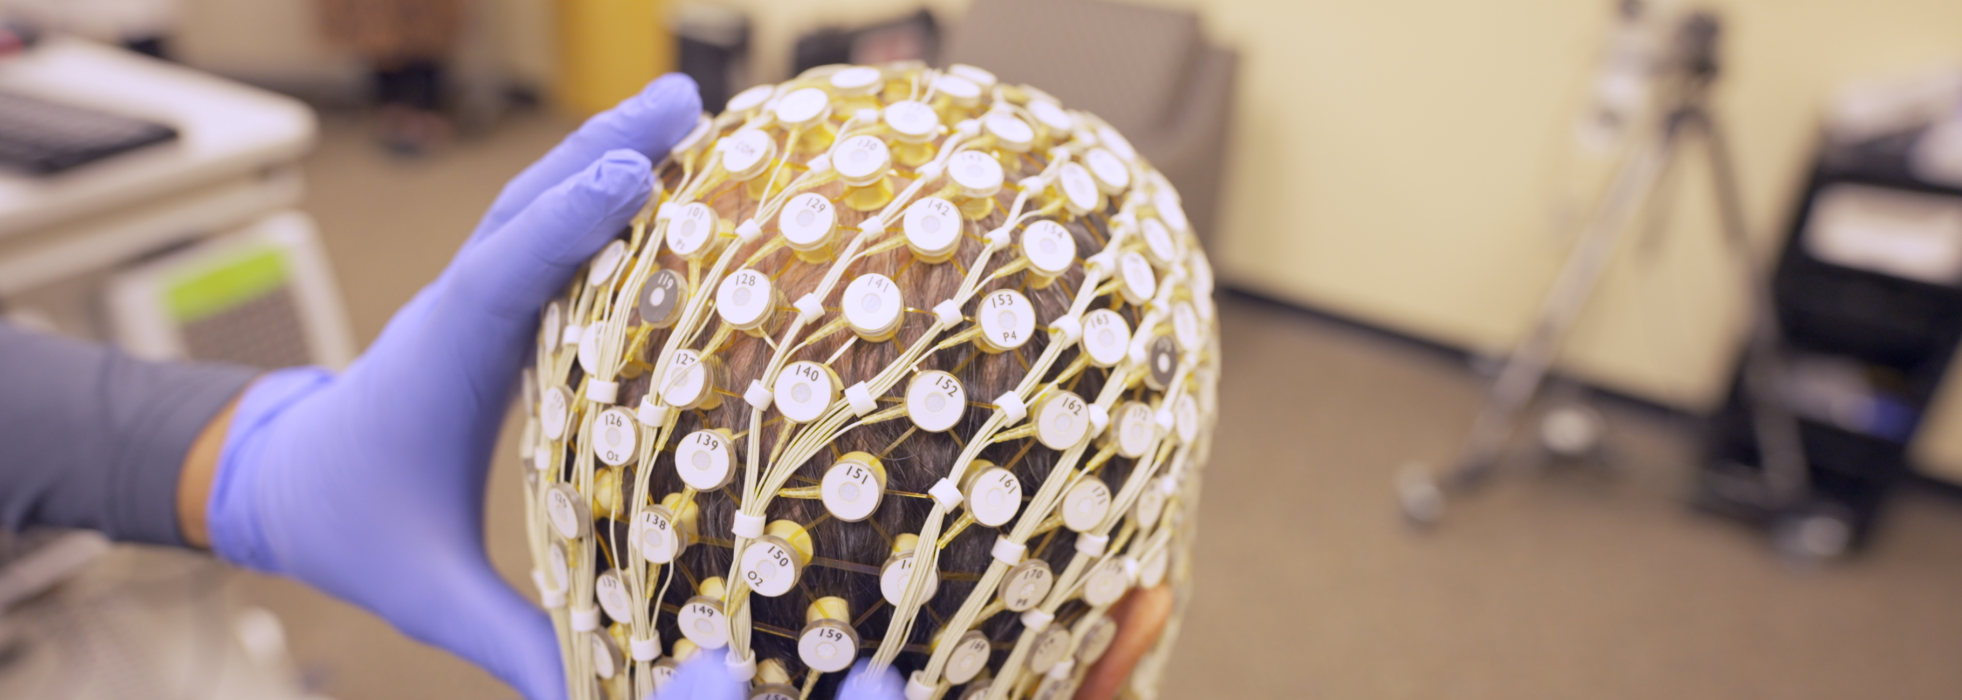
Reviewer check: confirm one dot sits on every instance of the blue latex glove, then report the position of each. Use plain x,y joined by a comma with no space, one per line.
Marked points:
369,485
706,677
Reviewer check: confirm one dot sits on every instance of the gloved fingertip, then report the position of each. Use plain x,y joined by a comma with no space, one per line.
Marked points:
864,684
622,171
675,89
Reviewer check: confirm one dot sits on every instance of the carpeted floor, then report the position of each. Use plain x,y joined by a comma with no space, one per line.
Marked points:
1583,583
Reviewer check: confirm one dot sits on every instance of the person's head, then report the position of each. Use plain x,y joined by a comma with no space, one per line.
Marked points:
852,335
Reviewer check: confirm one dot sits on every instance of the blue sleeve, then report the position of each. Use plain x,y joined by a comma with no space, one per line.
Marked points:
90,438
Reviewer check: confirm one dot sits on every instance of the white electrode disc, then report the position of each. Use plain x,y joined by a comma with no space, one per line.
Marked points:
1051,647
559,568
1133,429
1159,248
969,658
1152,571
615,434
607,659
1080,193
663,673
802,107
1007,319
705,460
752,98
661,298
1106,584
1096,640
808,221
702,622
1026,584
979,76
1164,359
935,400
571,515
1139,281
892,578
1169,209
976,173
961,90
1185,419
857,80
1086,504
774,691
554,412
1010,131
1185,327
994,496
655,534
851,490
1151,505
691,229
1112,175
932,226
770,566
803,390
1116,143
611,591
589,347
1106,336
1055,118
828,646
745,299
977,690
1050,248
861,160
1054,688
872,305
911,121
688,381
1062,419
606,262
746,153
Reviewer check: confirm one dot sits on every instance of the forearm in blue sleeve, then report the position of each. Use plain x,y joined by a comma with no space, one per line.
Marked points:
90,438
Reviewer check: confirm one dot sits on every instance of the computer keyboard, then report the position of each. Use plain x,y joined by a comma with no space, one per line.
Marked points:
42,137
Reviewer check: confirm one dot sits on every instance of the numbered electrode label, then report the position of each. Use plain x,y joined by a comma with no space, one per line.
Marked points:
935,400
861,160
873,306
615,434
1112,175
1062,419
1185,327
752,98
1086,504
569,512
1163,356
852,489
1054,118
606,263
1051,647
1139,281
808,221
1007,320
1152,571
1106,337
661,297
803,107
1159,246
994,496
856,81
607,659
611,591
892,578
554,412
1185,419
589,347
663,673
1010,131
1133,429
1026,584
702,622
1080,192
690,229
688,383
828,646
1050,248
1151,505
745,299
654,532
745,154
770,566
933,227
705,460
803,390
976,174
1106,584
911,121
1096,640
1116,143
969,658
960,90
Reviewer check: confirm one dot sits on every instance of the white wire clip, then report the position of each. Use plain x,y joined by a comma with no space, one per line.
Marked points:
808,308
949,313
666,211
1067,329
651,413
1164,419
1099,419
585,619
1091,545
603,391
748,526
1008,552
748,230
998,238
916,690
1104,264
646,649
860,398
571,334
1036,620
947,494
820,163
1012,407
757,396
1062,669
741,670
873,227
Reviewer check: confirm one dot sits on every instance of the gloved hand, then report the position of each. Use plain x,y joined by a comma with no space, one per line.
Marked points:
369,485
706,677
